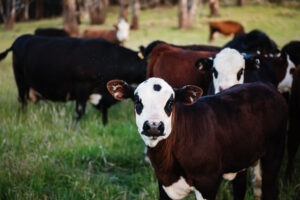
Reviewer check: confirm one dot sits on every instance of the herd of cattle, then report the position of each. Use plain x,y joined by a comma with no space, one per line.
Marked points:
192,142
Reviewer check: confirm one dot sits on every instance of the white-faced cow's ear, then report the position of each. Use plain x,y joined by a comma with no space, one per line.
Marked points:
204,64
188,94
120,90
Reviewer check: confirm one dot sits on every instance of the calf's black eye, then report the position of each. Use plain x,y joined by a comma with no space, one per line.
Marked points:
169,105
239,74
215,73
138,104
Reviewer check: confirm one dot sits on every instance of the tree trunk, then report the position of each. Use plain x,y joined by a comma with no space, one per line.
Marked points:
214,8
98,11
8,15
240,3
187,10
69,13
39,9
85,9
135,14
124,4
26,10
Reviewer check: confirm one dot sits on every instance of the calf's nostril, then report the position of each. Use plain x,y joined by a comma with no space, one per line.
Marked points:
146,126
161,127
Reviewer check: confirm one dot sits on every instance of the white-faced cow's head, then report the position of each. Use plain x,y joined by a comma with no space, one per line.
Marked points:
285,84
228,68
122,30
154,101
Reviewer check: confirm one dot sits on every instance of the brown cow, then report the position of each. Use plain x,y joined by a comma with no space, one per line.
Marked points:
225,28
193,143
118,35
176,66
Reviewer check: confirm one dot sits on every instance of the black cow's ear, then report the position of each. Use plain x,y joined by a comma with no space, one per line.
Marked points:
120,90
204,64
188,94
252,63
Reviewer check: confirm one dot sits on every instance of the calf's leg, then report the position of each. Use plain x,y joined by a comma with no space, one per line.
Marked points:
239,184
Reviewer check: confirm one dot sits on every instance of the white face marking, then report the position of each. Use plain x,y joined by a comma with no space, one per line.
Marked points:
95,99
153,108
123,30
228,63
198,195
257,180
286,84
229,176
179,189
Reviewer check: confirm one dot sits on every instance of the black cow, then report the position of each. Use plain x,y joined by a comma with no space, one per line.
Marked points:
293,50
62,69
51,32
193,143
252,42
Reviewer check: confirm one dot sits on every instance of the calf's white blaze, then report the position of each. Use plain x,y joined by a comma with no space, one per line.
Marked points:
153,108
123,30
228,63
180,189
286,84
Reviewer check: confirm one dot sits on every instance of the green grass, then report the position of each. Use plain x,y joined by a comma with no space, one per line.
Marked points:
44,155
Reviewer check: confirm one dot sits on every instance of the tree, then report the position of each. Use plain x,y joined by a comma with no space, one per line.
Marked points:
39,11
9,14
214,8
98,11
240,2
69,13
26,9
124,4
187,10
135,14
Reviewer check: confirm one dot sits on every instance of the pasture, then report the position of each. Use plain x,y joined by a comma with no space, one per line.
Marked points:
45,155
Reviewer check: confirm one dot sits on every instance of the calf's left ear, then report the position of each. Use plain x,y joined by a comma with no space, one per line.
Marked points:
120,90
188,95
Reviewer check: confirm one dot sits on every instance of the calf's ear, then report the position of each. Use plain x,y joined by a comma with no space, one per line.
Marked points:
188,94
204,64
120,90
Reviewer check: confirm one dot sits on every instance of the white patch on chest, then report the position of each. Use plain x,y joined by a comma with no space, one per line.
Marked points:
229,176
286,84
198,195
179,189
95,99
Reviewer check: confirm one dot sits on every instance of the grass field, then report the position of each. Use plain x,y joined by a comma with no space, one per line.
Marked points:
44,155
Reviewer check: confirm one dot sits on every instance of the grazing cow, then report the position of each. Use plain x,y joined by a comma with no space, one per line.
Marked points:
252,42
229,68
293,50
193,144
294,128
176,66
225,28
118,35
51,32
145,51
63,69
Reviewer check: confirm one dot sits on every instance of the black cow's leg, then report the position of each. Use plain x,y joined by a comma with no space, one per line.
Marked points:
162,194
292,147
104,109
239,184
80,109
270,165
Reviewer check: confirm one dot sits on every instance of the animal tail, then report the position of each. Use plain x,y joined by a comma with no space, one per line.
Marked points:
4,54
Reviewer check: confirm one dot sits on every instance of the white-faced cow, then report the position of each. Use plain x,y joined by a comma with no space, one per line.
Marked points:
193,143
63,69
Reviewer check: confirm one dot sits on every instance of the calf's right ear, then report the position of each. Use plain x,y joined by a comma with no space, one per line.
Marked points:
120,90
204,64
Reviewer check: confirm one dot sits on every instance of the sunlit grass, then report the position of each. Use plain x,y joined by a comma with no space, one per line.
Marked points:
45,155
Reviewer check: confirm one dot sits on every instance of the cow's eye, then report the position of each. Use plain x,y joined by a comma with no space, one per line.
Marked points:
169,105
215,73
138,104
239,74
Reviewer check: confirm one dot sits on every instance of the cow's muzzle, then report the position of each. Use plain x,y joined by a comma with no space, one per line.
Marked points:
153,129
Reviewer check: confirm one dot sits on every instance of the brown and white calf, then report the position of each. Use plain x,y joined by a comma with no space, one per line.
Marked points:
118,35
193,143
